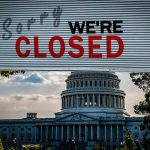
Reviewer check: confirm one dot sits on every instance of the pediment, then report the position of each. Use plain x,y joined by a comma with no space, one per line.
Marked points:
75,117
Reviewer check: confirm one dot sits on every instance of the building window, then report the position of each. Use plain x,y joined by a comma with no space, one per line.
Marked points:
107,101
4,129
96,100
112,101
90,83
73,84
77,84
79,100
135,128
86,83
112,84
13,135
85,100
81,83
70,84
117,101
91,99
29,129
95,83
29,137
22,129
101,100
104,83
21,137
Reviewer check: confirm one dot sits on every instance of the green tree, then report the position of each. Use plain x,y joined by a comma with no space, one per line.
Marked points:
31,147
11,148
9,73
98,147
128,144
142,80
1,145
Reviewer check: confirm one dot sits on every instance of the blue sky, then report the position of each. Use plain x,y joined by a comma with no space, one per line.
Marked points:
40,92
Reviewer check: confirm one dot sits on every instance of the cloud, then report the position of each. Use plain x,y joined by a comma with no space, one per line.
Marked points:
35,78
40,92
34,98
32,78
17,97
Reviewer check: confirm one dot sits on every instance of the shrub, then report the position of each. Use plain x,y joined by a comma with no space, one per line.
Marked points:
1,145
11,148
31,147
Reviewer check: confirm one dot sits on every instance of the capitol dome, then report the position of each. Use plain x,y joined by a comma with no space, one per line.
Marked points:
96,93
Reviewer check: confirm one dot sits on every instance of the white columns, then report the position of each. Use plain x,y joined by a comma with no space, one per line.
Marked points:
118,101
62,133
41,135
62,103
86,131
98,132
117,132
52,132
68,133
72,101
46,133
114,101
26,133
110,101
105,134
82,100
56,132
104,100
65,100
99,99
123,102
93,100
88,100
124,129
34,133
91,132
73,130
77,101
79,131
111,133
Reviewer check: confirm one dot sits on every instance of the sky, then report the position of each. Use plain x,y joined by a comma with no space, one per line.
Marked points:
37,91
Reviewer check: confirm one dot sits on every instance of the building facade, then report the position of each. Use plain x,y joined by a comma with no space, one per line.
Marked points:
93,109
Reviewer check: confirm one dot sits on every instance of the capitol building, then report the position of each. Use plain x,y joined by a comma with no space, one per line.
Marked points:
92,109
